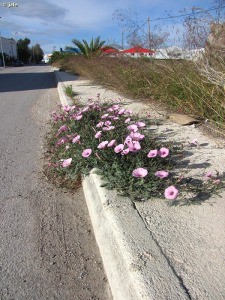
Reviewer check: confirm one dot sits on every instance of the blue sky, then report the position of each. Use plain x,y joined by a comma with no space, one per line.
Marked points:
53,24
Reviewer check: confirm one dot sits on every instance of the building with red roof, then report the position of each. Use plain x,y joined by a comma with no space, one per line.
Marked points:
138,51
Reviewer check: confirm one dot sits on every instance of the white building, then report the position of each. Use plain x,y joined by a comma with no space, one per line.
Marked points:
175,52
8,46
46,58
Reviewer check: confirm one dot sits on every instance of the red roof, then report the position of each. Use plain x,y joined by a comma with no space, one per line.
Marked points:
137,50
110,50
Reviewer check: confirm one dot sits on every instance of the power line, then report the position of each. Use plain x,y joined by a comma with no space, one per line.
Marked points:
172,17
190,14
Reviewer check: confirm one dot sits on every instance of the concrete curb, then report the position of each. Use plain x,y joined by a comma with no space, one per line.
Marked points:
61,87
135,265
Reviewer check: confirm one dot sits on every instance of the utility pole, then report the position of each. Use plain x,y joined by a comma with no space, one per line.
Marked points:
17,53
122,39
149,33
3,58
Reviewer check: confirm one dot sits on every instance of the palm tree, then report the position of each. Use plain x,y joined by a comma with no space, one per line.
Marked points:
89,49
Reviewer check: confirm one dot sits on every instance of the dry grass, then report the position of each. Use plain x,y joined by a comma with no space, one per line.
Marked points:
177,84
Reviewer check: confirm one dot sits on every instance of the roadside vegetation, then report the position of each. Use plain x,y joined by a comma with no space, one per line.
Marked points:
178,85
88,50
119,145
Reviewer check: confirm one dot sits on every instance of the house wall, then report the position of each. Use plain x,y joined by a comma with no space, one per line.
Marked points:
8,46
138,54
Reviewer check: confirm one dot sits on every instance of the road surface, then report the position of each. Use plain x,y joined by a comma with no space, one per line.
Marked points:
47,246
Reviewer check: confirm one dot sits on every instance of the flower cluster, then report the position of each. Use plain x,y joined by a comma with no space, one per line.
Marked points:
119,144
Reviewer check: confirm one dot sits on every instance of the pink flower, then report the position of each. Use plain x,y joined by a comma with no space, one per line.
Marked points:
208,175
86,152
127,120
121,111
63,128
116,118
134,146
119,148
66,162
163,152
67,147
129,112
78,117
104,116
102,145
162,174
73,116
140,124
71,136
108,128
85,109
98,134
76,139
107,123
125,151
136,136
55,118
194,142
100,124
152,153
111,143
128,140
171,192
110,109
133,128
140,172
115,106
216,181
61,141
66,108
111,117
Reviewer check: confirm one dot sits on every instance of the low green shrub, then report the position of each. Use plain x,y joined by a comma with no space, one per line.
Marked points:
69,91
123,149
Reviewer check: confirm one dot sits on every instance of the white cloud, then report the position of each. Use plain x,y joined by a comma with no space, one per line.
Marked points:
41,9
44,20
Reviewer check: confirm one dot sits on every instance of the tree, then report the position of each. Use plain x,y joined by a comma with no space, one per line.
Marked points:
7,59
220,11
23,50
37,53
137,34
134,40
89,49
196,29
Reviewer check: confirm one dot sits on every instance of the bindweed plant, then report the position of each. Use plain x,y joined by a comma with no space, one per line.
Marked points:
69,91
120,146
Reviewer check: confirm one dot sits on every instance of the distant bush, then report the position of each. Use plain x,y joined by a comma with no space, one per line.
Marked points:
57,55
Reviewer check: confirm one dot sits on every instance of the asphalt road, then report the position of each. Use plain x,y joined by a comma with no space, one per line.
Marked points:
47,246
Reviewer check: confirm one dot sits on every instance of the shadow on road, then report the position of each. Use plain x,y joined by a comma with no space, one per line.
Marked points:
11,82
